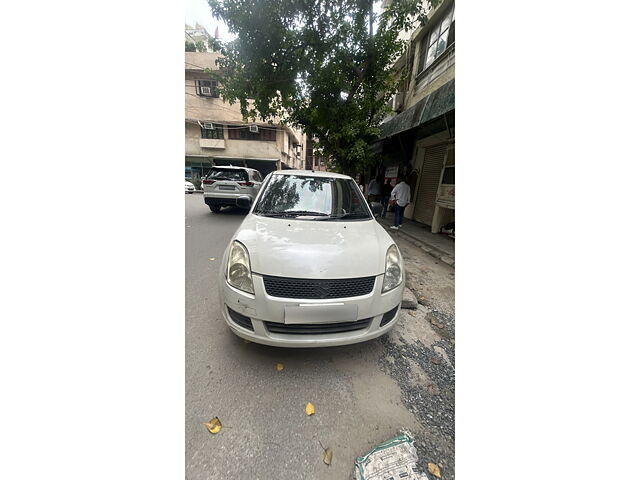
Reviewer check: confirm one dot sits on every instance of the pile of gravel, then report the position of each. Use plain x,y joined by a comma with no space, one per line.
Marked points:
432,404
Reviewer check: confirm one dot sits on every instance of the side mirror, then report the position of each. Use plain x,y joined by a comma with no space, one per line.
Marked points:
376,209
244,202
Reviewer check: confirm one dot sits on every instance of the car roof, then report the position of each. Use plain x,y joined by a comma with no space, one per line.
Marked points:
311,173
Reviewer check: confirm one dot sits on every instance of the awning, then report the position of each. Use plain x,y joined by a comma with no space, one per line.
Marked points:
435,104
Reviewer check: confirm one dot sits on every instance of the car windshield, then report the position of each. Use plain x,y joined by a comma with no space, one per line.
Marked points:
228,174
324,198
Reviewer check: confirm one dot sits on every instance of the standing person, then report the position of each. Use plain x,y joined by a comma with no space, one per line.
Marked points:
401,195
373,190
386,195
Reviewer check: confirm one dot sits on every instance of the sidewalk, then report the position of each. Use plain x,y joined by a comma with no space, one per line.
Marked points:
439,246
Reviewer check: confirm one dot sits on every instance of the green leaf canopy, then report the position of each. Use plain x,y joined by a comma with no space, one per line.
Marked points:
325,66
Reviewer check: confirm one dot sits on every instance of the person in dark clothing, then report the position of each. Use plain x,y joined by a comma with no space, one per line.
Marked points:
386,194
373,190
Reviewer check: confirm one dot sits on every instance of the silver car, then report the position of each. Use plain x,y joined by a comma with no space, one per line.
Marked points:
224,185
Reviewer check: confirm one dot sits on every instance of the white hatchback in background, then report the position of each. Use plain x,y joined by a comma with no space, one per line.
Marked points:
224,185
189,187
310,266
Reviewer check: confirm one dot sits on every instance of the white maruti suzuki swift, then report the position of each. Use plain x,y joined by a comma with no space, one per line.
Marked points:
310,266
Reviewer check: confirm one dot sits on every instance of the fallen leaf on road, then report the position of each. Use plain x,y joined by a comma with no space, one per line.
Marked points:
412,313
433,469
310,409
214,426
432,389
279,367
436,323
328,455
436,360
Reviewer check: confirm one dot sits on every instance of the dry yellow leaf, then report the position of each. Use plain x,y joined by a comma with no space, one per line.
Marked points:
328,455
433,469
279,367
310,409
214,426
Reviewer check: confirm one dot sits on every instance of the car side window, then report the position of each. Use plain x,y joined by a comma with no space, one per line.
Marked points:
257,177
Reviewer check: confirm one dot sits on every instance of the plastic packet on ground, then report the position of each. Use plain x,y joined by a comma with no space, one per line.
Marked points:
394,459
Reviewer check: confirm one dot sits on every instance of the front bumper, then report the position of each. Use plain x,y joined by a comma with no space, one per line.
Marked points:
265,311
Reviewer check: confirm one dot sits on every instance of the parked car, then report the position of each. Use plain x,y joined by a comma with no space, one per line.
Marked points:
310,266
188,187
224,185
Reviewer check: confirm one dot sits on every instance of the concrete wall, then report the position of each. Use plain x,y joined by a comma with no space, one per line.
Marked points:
440,72
232,148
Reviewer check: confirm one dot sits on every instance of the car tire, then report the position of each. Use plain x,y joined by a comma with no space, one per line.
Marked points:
215,208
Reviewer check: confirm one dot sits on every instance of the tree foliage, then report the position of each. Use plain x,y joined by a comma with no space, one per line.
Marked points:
189,46
323,65
200,46
213,44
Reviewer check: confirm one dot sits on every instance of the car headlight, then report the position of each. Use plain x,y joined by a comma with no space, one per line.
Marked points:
392,269
239,268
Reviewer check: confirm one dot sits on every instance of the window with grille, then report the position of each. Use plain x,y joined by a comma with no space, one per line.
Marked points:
243,133
207,88
438,39
212,131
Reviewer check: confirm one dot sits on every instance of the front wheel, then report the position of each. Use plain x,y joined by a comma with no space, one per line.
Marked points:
215,208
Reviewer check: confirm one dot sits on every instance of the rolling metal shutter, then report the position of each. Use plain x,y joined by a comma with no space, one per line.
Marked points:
425,202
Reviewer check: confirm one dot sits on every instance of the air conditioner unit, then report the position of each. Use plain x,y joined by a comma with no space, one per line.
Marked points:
207,126
397,101
253,128
205,90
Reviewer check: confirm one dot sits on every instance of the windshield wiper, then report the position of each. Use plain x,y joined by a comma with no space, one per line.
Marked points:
347,215
300,213
293,213
267,214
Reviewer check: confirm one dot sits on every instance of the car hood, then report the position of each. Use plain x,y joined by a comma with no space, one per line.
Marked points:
314,249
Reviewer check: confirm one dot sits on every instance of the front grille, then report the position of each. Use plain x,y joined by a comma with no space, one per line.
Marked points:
240,319
317,289
387,317
317,328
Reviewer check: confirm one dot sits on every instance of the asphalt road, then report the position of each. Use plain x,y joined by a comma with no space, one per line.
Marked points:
266,433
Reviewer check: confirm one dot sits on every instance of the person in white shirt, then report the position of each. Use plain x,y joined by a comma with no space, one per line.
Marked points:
401,196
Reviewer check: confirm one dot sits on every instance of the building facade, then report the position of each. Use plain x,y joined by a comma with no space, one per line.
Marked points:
197,34
418,138
216,134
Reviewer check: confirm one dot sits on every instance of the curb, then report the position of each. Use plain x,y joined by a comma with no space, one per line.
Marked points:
435,252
